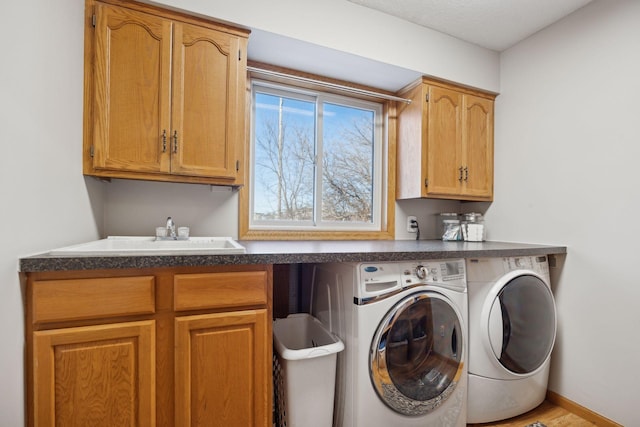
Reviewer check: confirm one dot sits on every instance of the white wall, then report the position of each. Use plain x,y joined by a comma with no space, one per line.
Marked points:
427,213
46,201
353,29
137,207
567,147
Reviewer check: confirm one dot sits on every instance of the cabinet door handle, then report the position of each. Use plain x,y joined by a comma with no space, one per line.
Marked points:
175,141
466,173
460,176
164,140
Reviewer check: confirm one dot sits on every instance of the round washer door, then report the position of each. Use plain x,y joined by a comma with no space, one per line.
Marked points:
522,324
416,357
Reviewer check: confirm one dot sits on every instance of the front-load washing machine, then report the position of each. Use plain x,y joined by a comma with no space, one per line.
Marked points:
512,329
403,325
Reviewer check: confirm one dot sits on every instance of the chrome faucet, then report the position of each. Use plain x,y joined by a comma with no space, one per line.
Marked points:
171,228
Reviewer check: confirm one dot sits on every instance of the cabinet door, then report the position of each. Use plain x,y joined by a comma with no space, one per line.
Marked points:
205,110
132,83
223,371
478,147
95,375
444,139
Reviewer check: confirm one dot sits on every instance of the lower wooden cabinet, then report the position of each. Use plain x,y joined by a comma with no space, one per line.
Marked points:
216,352
150,352
100,375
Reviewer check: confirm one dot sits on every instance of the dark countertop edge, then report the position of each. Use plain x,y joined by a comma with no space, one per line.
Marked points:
295,253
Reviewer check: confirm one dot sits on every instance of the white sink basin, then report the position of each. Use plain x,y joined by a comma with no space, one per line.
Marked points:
134,245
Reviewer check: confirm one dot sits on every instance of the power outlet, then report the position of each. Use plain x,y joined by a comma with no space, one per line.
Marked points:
411,228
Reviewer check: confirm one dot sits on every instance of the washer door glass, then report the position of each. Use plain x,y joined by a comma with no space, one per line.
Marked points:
522,324
416,354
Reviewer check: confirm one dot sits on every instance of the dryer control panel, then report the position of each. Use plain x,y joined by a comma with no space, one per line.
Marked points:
492,269
538,264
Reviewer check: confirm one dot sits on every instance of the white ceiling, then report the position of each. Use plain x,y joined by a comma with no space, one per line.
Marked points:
493,24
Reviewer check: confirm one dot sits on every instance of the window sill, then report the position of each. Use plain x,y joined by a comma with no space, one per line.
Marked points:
315,235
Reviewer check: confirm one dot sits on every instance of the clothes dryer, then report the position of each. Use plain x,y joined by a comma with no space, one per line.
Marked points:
512,330
404,327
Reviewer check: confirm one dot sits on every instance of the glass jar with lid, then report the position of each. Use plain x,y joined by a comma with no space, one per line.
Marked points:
452,229
473,227
444,220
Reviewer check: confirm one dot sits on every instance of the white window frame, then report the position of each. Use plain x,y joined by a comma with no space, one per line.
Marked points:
380,159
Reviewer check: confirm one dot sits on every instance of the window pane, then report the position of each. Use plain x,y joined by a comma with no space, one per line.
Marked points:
284,153
317,161
347,175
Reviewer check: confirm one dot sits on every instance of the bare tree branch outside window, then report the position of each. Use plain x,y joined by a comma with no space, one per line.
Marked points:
284,151
348,170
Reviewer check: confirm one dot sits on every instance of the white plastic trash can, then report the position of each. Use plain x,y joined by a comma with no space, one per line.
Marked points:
306,353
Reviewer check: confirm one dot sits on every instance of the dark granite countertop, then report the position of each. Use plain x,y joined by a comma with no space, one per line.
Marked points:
296,252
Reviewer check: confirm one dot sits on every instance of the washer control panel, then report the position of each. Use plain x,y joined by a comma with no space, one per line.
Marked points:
449,273
422,272
391,276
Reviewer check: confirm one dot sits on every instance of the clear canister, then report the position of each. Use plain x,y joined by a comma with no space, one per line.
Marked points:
452,230
446,216
473,227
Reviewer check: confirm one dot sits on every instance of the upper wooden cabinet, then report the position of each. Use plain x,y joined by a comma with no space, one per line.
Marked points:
445,142
164,95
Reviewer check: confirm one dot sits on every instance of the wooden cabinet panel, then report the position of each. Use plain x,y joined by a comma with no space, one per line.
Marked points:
73,299
95,376
132,82
220,290
226,351
445,142
412,144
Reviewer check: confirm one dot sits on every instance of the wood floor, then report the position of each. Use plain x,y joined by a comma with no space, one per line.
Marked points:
547,413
